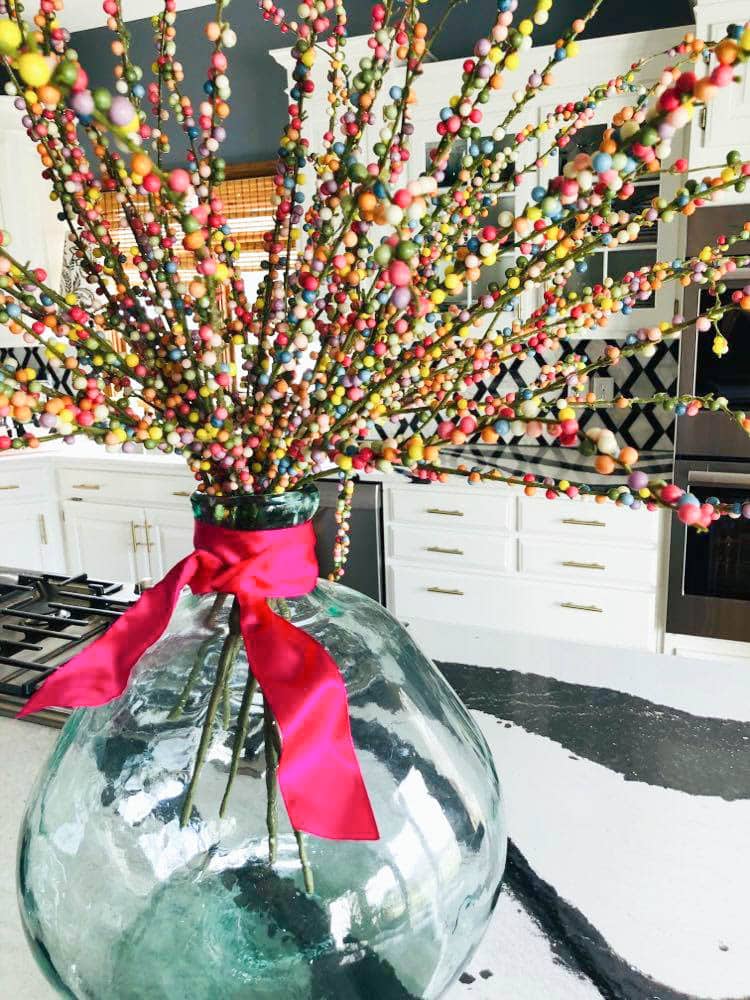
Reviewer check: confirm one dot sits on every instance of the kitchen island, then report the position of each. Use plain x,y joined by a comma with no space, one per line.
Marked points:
627,874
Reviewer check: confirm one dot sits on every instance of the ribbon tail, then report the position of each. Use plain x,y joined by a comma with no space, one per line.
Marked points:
101,672
319,774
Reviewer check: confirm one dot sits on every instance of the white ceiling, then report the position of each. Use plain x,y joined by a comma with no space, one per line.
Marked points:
81,14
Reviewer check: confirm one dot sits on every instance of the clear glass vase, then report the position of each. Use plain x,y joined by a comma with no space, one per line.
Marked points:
121,900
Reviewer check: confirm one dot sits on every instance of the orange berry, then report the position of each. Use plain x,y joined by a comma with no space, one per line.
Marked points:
604,464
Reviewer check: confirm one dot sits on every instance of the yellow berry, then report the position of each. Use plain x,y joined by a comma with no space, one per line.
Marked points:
10,37
34,69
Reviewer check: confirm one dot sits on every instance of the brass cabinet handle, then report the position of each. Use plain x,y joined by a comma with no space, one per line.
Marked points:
582,607
584,524
445,513
86,486
582,565
12,487
134,539
445,552
43,530
149,543
182,493
443,590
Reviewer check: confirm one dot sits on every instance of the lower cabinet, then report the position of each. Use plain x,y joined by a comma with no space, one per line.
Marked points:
31,537
125,543
169,537
563,571
106,541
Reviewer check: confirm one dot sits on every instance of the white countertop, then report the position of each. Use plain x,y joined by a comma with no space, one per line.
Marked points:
542,461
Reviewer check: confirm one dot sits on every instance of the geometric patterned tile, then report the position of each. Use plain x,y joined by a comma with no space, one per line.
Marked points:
646,430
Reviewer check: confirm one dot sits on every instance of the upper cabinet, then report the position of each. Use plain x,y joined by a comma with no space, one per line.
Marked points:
598,62
26,211
725,123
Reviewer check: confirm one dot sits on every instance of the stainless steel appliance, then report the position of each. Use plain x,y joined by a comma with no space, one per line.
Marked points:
365,569
702,372
709,573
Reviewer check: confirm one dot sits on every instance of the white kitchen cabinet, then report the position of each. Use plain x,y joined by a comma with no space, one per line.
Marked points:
489,557
129,544
169,536
26,212
106,541
31,537
725,123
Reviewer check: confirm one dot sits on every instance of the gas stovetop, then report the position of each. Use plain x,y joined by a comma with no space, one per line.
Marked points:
44,621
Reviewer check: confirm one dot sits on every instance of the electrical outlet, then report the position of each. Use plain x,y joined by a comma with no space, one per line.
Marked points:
603,387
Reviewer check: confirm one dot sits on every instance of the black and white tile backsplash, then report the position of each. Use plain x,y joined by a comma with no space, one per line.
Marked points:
648,430
32,357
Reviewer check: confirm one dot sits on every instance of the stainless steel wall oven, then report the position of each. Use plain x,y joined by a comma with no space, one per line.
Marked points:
709,573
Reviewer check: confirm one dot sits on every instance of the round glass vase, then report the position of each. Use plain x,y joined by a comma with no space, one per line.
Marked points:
136,883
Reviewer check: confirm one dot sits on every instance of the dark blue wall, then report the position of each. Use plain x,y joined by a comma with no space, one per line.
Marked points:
258,105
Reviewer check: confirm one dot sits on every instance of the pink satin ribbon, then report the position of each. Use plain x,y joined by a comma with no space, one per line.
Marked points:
319,775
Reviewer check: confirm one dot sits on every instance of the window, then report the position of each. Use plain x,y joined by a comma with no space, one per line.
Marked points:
247,196
463,152
617,260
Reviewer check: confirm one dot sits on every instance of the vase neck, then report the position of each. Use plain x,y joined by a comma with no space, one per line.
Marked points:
257,512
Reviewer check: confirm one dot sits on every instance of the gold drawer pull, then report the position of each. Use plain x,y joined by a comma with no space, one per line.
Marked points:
445,513
43,530
582,607
579,565
86,486
182,493
442,590
149,543
13,487
445,552
584,524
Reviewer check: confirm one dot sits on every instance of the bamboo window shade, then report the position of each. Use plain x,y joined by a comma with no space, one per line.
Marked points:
249,210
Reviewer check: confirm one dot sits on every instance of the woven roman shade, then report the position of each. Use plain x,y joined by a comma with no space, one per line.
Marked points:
247,205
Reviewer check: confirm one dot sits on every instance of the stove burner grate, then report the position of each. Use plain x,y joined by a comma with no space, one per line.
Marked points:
44,620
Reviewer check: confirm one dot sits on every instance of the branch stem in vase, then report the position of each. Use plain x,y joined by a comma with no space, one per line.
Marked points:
227,657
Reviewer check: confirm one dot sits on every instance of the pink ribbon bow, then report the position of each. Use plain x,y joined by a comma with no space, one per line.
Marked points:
319,775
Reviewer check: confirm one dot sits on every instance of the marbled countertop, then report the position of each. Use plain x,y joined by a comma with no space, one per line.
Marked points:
549,461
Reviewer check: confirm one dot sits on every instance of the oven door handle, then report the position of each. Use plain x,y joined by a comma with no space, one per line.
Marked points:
718,479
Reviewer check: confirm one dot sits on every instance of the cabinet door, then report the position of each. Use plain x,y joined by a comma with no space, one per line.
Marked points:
725,122
107,542
25,207
654,242
25,536
170,536
50,534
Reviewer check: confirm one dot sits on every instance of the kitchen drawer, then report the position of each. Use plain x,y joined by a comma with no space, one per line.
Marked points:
438,595
454,551
588,521
573,613
437,507
618,565
19,481
124,485
588,614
